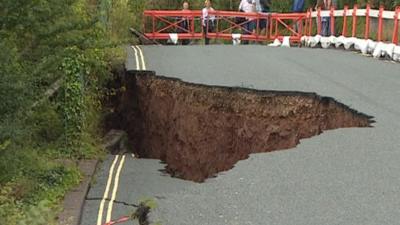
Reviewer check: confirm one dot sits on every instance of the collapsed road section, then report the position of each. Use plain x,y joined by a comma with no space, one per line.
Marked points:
200,130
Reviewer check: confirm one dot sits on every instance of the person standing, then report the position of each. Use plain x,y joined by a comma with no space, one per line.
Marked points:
326,20
185,23
248,6
263,6
207,20
298,7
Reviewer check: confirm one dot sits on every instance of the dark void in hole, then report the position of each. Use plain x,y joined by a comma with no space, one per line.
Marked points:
201,130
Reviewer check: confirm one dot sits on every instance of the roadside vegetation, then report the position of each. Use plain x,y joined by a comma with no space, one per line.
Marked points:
71,47
56,57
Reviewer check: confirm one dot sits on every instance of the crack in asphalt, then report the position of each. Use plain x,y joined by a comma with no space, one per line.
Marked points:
115,201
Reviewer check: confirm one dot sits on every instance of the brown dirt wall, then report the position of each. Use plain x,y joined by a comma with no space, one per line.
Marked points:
200,130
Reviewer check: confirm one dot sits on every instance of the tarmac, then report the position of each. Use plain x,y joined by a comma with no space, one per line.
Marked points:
346,176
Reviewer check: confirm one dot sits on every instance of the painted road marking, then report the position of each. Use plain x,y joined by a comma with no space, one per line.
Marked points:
142,57
136,58
115,189
139,58
110,176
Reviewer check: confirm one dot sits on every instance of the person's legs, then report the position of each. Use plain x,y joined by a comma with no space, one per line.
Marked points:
328,27
246,30
206,40
210,29
186,26
325,29
297,26
253,27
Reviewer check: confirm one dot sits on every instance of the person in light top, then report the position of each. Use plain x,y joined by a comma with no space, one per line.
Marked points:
248,6
208,20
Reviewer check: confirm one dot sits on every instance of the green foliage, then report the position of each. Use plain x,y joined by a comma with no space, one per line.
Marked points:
281,6
46,124
44,41
73,107
21,199
41,214
149,202
12,87
10,212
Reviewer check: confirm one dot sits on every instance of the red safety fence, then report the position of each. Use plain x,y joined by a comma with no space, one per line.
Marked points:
188,25
120,220
380,15
160,24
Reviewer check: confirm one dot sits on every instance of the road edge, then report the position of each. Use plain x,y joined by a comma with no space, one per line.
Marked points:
74,200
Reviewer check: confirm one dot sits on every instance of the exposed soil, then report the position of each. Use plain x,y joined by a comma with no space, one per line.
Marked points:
201,130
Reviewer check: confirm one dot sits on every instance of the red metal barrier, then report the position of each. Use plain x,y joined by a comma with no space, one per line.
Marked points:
380,24
367,22
395,37
226,23
120,220
287,21
344,30
163,23
354,22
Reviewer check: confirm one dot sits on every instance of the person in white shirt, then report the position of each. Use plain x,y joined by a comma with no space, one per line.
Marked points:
207,20
248,6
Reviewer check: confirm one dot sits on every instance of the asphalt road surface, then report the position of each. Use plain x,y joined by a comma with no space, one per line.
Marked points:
344,176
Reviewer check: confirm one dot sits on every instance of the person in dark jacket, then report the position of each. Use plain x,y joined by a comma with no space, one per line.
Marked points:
298,6
326,20
185,23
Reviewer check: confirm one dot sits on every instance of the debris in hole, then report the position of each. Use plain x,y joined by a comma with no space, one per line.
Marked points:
200,130
141,214
115,141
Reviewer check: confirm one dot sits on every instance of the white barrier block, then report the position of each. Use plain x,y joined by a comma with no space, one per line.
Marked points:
325,43
303,40
348,42
236,39
174,38
314,41
357,44
396,53
332,39
286,42
371,46
276,43
309,40
378,50
363,45
339,41
389,50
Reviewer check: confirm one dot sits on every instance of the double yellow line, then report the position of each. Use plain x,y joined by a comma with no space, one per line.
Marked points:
111,179
140,64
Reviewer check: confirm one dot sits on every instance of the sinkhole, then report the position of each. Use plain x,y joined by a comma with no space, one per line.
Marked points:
200,130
